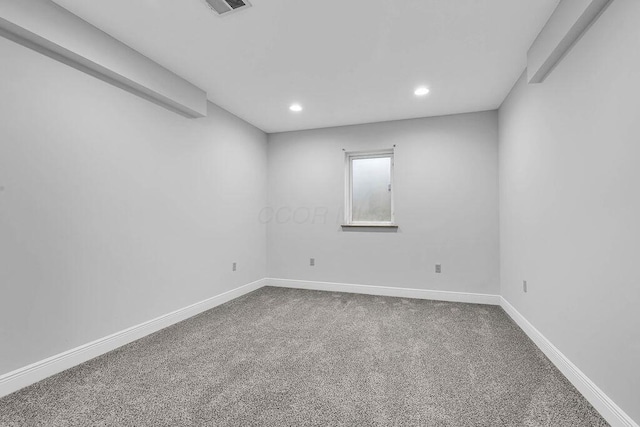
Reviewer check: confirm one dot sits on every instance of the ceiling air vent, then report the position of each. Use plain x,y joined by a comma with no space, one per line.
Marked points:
222,7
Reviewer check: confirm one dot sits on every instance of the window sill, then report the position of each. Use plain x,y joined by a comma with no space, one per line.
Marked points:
370,227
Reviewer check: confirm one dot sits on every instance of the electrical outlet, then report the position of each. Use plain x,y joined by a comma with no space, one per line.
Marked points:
312,262
235,266
438,268
524,286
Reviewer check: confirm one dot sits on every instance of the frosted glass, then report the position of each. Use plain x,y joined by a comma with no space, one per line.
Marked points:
371,191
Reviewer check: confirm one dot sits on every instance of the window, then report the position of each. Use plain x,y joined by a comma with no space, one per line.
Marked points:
369,188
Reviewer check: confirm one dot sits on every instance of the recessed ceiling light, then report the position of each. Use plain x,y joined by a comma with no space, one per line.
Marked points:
421,91
296,108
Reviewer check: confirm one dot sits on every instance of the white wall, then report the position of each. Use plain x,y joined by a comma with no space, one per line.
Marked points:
114,210
446,205
570,203
54,31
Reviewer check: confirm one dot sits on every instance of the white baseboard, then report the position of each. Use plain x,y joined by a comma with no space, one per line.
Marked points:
387,291
38,371
598,399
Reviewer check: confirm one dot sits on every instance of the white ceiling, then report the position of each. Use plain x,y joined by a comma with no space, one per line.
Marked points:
346,62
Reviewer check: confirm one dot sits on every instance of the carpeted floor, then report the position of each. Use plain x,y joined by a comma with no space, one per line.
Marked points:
286,357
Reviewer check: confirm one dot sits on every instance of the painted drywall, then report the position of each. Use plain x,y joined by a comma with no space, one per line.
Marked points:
570,203
52,30
114,210
446,205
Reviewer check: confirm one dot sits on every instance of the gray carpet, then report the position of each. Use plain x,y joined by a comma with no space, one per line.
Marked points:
286,357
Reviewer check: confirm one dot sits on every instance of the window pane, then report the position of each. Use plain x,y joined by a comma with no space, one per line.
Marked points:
371,194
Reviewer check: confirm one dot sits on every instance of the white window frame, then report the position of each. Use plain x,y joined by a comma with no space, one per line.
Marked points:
348,205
